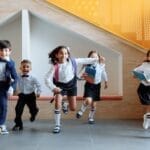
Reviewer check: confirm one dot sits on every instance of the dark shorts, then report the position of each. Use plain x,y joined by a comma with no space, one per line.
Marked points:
92,90
69,89
144,94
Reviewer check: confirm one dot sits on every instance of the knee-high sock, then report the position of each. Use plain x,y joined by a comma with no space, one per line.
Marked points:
57,115
83,107
91,113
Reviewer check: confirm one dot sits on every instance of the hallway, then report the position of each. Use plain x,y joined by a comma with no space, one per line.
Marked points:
78,135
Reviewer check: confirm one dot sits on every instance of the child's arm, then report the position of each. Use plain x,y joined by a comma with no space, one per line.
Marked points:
13,75
49,80
105,78
86,61
38,87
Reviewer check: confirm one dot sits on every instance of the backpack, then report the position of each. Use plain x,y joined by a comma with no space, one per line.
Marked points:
56,73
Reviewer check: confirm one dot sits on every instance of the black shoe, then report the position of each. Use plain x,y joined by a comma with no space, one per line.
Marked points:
65,108
79,114
32,118
56,129
17,128
91,121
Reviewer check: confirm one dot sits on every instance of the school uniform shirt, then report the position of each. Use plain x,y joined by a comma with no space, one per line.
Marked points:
66,71
101,74
28,84
144,67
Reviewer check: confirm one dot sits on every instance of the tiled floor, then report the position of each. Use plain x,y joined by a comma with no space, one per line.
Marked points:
78,135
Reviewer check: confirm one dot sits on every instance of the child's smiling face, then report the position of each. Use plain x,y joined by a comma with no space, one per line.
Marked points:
25,68
62,55
4,52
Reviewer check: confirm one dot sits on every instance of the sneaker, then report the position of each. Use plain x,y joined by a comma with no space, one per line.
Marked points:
32,118
17,128
91,121
79,114
145,122
3,130
65,108
56,129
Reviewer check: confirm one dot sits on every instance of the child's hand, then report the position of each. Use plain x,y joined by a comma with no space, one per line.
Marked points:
56,90
84,75
10,91
102,59
37,95
106,85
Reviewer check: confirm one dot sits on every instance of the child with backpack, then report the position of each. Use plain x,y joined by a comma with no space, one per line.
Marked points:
61,79
93,74
143,90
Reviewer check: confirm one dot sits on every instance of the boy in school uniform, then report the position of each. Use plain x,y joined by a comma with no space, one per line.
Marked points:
28,89
7,72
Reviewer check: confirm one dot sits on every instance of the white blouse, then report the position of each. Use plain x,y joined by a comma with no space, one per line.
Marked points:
66,71
144,67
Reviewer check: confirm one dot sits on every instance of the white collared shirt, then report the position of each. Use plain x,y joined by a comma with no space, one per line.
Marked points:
145,67
27,85
66,71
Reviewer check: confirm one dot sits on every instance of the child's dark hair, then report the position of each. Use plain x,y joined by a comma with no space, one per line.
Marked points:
54,52
5,44
26,61
148,53
91,52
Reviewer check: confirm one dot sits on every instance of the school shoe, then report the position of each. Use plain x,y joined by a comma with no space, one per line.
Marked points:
56,129
17,128
32,118
146,122
3,130
91,121
65,108
79,114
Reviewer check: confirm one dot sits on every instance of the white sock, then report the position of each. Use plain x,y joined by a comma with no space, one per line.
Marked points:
57,117
83,107
91,113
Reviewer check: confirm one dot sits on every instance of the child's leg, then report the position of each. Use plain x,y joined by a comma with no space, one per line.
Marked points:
72,102
31,103
87,102
3,112
64,105
19,110
3,107
57,113
92,113
146,117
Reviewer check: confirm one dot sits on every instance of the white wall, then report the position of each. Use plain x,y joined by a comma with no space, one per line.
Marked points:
45,36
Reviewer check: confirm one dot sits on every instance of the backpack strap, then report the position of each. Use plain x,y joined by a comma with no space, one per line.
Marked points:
74,64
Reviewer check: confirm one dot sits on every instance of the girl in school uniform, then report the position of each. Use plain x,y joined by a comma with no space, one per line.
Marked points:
61,79
144,90
92,87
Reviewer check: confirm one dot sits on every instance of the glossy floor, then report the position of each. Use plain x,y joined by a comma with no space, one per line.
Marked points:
78,135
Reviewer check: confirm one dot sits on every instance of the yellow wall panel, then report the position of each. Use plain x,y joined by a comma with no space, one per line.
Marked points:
129,19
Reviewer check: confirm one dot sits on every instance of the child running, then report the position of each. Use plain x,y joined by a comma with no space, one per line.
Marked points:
28,89
61,79
7,72
144,89
94,74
